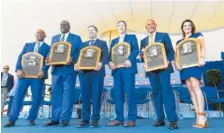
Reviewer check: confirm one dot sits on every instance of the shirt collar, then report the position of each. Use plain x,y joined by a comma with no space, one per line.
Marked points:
41,42
153,34
93,39
5,74
122,35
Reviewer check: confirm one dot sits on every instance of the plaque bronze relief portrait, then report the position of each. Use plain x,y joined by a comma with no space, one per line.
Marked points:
155,57
60,53
32,64
188,52
89,58
120,53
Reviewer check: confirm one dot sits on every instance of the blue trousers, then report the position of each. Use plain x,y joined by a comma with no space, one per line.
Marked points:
163,95
63,85
91,90
124,83
22,86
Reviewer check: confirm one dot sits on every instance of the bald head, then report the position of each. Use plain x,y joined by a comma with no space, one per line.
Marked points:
150,26
65,26
5,69
40,35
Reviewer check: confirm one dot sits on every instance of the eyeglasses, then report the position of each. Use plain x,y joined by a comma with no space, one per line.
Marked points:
5,68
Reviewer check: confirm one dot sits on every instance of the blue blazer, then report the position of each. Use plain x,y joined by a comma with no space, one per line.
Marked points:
104,53
29,47
10,81
76,43
132,40
165,39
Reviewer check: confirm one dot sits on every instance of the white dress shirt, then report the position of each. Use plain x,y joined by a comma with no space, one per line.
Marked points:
121,39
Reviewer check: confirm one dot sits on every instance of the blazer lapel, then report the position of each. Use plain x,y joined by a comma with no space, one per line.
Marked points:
33,46
125,38
156,37
146,41
41,47
68,38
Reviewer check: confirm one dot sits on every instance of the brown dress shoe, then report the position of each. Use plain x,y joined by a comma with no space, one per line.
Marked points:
31,123
94,124
114,123
158,123
173,125
130,124
9,124
51,123
83,123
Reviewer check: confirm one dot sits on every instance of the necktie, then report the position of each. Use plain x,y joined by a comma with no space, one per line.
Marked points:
37,46
91,42
121,39
63,37
151,39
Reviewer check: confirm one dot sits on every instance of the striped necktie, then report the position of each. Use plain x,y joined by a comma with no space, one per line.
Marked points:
151,39
37,46
91,42
63,37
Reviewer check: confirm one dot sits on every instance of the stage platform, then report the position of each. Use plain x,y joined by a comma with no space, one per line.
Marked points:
216,125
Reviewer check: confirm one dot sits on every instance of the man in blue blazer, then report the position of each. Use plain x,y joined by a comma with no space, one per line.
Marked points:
64,78
92,81
160,79
42,48
7,83
124,78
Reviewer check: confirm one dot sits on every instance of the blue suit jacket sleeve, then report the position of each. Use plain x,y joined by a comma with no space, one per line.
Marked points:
134,49
141,47
18,64
45,66
76,49
169,48
104,58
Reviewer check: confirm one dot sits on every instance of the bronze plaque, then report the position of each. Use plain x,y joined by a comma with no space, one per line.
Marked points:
155,57
188,53
32,64
89,58
60,53
120,53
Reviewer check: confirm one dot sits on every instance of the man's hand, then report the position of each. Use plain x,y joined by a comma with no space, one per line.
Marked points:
127,64
20,73
178,67
47,60
201,62
99,66
41,74
111,65
76,68
69,62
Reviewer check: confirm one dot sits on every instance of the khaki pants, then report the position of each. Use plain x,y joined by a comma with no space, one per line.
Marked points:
4,94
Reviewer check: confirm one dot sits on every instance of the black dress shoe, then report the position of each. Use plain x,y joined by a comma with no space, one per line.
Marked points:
9,124
158,123
94,124
173,125
83,123
51,123
64,123
31,123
